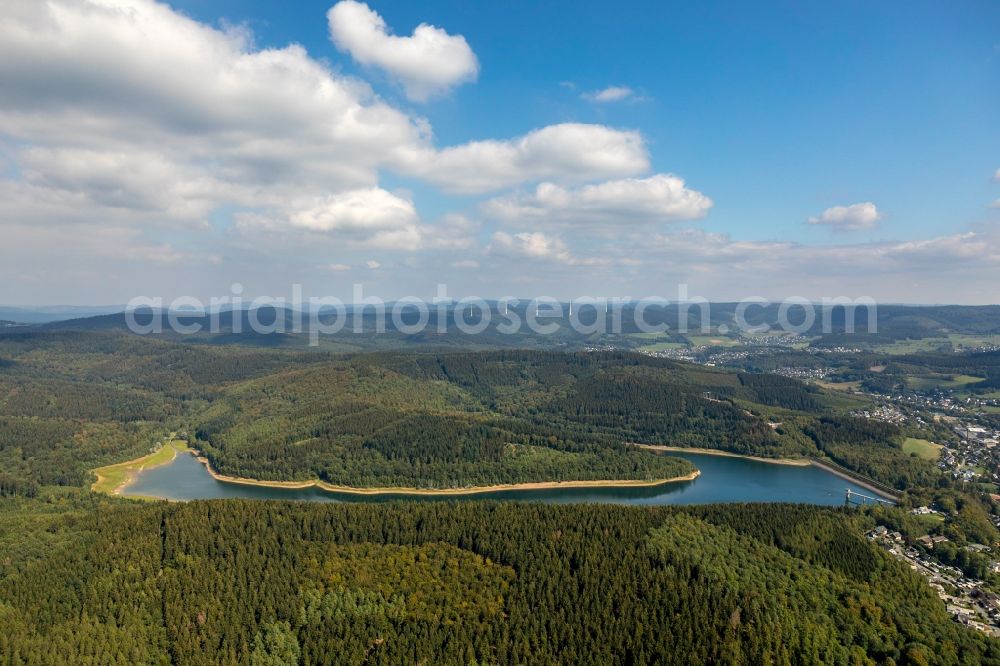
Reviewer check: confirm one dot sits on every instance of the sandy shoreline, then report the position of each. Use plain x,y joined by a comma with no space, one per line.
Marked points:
795,462
132,473
471,490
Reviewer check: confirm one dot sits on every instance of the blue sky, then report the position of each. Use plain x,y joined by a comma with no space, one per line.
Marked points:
877,121
776,109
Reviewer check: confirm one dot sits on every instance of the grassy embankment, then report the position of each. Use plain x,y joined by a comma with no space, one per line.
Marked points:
111,479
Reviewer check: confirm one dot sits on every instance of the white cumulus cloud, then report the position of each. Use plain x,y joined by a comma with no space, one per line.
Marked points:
427,63
566,152
367,217
658,198
132,114
127,104
856,217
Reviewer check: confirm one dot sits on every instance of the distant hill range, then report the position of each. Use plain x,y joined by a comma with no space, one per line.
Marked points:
286,327
50,313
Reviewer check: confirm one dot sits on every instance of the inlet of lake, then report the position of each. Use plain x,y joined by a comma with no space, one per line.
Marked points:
722,479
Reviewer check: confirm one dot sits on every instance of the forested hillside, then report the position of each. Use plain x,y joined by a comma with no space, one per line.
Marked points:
70,402
481,418
73,401
101,581
499,417
242,582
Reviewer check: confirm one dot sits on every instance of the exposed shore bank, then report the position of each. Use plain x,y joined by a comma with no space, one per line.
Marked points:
471,490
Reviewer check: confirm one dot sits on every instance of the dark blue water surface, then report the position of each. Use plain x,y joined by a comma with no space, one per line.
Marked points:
723,479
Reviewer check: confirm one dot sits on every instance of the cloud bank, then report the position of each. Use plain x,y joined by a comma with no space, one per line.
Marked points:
144,150
127,112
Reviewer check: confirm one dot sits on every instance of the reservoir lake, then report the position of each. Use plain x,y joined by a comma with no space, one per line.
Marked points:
722,479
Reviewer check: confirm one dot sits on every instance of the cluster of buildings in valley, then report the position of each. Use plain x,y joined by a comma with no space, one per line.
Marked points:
838,350
708,355
804,373
937,400
747,348
967,600
945,399
776,340
751,347
690,354
975,455
971,455
884,413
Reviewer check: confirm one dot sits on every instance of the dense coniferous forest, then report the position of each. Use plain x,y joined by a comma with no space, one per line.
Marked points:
503,417
500,417
244,582
72,401
86,579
